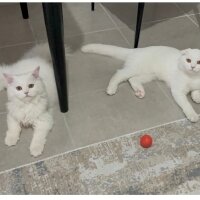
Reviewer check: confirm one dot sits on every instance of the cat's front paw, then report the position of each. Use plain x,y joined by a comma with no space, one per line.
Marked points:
196,96
193,117
11,140
111,90
36,149
140,93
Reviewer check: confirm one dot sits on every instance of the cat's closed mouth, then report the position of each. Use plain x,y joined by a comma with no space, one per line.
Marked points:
27,96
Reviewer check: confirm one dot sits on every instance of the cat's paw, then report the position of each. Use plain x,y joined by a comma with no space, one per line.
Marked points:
140,93
196,96
111,90
36,149
193,117
11,140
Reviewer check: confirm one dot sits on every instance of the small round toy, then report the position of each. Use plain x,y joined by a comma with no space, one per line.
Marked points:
146,141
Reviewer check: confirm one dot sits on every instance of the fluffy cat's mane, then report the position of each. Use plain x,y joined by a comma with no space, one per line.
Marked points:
31,94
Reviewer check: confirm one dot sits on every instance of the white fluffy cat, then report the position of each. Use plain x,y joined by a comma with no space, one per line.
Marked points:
31,94
179,69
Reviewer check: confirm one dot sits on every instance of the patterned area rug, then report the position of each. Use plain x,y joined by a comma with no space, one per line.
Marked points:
118,166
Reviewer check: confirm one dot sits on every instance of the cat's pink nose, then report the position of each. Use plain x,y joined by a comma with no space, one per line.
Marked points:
25,93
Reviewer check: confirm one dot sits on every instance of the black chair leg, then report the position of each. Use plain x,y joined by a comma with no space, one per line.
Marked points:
138,23
54,26
92,6
24,9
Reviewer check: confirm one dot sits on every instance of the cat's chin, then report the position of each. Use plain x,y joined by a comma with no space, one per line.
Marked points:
27,98
193,73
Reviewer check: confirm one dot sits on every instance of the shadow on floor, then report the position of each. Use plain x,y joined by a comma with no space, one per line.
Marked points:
73,44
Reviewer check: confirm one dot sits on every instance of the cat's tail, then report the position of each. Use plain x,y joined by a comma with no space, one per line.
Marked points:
42,51
39,50
108,50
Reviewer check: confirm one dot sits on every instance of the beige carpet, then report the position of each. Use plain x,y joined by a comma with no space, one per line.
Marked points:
118,166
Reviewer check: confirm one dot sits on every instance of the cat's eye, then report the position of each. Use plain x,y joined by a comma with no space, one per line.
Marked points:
198,62
188,60
18,88
31,85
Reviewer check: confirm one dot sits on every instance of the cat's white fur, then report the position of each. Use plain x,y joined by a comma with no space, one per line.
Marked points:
30,106
168,64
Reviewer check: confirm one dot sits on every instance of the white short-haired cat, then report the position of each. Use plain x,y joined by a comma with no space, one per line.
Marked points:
32,93
179,69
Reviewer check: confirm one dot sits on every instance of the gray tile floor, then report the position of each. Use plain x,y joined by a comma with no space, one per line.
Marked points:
94,116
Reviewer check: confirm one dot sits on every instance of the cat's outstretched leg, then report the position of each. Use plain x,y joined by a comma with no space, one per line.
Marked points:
137,87
195,96
13,133
136,83
120,76
182,101
41,129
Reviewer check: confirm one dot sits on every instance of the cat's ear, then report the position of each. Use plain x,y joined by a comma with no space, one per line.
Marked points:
185,51
36,72
9,78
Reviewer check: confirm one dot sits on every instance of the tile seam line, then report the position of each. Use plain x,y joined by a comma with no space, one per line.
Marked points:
117,27
91,145
114,28
80,34
69,130
158,20
164,19
18,44
188,16
32,30
44,40
92,32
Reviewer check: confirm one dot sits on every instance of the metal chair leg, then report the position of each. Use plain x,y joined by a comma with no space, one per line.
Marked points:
53,16
92,6
24,9
138,23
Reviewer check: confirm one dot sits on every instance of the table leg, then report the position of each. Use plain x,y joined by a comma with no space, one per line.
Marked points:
24,9
53,16
138,23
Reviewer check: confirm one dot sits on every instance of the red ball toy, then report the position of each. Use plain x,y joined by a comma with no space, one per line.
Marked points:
146,141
